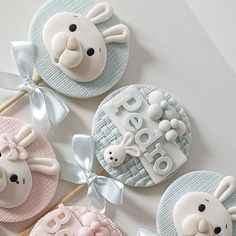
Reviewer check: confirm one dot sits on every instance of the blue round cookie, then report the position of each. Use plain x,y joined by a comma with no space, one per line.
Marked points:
142,135
200,202
81,48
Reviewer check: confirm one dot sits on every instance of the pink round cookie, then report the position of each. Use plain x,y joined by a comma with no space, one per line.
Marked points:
75,221
29,171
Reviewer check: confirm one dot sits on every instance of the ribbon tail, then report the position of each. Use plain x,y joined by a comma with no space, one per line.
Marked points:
96,199
56,108
47,109
39,110
83,147
145,232
112,190
11,81
71,173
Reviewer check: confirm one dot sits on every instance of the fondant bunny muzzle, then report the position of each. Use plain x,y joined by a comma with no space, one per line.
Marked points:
115,154
75,44
16,167
202,214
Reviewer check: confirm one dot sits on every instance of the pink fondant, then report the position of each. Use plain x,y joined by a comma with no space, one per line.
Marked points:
44,187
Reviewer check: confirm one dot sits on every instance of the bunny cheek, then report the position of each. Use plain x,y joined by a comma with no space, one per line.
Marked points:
18,185
115,155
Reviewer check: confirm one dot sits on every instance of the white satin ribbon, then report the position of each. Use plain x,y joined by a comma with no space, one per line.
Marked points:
47,109
100,188
145,232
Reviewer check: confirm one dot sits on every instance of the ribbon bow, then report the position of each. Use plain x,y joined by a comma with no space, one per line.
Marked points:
16,151
47,109
145,232
100,188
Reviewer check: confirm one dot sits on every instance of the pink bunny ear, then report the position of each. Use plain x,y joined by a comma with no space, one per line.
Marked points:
133,151
26,136
128,139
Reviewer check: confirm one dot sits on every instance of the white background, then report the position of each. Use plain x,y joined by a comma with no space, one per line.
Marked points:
169,48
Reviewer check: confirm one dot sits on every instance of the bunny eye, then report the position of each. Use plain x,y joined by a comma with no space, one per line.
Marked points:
0,154
110,153
116,160
217,230
14,178
202,208
111,158
73,28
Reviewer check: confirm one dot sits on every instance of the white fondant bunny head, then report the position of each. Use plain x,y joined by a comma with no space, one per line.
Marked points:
115,154
16,167
75,44
201,214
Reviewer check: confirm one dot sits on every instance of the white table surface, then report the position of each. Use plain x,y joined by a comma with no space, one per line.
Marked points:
168,49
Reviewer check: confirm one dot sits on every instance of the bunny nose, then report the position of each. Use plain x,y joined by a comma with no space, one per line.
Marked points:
72,44
203,227
3,180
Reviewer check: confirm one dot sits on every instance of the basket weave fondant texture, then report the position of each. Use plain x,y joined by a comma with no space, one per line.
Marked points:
106,133
117,54
198,181
102,219
43,187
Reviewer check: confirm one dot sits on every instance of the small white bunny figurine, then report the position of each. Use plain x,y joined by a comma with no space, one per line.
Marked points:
115,154
203,214
16,167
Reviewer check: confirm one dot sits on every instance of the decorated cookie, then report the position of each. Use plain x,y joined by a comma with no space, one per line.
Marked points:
28,171
80,46
142,135
75,221
199,203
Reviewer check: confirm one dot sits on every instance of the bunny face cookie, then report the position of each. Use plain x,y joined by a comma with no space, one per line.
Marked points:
75,221
205,207
142,135
211,217
21,161
75,44
16,168
80,42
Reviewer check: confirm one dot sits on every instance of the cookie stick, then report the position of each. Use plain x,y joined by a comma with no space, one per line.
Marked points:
18,96
64,201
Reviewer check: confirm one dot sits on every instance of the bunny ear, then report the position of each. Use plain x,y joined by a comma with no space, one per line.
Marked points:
232,212
45,166
26,136
133,151
128,139
117,34
100,12
225,188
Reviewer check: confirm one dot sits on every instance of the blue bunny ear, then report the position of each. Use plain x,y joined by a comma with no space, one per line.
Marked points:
100,13
225,188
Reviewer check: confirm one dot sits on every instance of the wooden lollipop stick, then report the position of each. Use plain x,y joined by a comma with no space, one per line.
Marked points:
64,201
17,97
